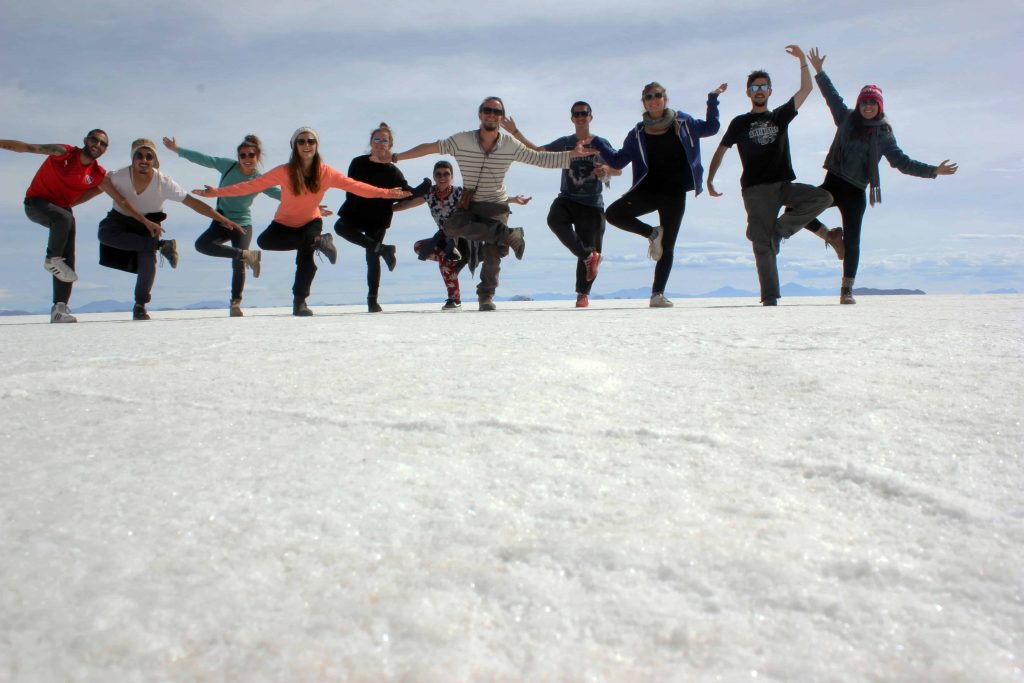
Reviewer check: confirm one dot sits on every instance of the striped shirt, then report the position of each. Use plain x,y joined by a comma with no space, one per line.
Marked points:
485,171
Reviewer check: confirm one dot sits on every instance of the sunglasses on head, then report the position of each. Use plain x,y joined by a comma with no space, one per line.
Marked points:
763,87
247,155
97,141
654,95
492,111
580,114
144,156
305,141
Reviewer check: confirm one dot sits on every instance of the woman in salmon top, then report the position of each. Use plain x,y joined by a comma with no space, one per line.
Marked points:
297,225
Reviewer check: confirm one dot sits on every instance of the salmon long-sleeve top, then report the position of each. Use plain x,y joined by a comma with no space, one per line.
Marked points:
296,210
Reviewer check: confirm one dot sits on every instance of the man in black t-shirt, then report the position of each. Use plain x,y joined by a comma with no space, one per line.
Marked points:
762,139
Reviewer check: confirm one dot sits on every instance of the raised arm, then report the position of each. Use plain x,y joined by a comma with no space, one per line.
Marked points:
154,228
710,125
416,152
54,150
205,210
716,161
832,97
805,75
509,124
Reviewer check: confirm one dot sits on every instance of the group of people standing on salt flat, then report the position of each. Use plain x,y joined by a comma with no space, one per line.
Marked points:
473,220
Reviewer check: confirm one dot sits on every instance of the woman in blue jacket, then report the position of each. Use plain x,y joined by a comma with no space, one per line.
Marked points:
664,149
863,137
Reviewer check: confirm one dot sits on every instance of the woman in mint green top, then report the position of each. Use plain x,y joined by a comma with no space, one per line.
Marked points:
213,241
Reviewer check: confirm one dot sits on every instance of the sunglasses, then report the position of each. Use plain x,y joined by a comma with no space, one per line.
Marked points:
442,174
305,141
380,141
654,95
97,141
247,155
492,111
580,114
763,87
144,156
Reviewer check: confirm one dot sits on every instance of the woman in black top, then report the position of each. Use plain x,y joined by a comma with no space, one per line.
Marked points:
364,221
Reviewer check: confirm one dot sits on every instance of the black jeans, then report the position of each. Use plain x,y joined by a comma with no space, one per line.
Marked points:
211,243
61,241
851,201
623,214
368,239
581,229
126,233
301,239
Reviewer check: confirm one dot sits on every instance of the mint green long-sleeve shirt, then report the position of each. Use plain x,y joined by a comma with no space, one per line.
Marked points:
235,208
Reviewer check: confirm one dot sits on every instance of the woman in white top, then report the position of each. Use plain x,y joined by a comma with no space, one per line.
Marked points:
146,189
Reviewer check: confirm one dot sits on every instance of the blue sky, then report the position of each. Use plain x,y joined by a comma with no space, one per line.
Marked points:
208,73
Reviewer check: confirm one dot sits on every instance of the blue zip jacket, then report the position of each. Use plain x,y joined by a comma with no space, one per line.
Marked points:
634,147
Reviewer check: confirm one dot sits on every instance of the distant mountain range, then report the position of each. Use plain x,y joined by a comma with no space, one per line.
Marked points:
791,289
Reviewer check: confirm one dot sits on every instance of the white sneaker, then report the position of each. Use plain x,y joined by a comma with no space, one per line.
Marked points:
655,250
659,301
59,269
60,314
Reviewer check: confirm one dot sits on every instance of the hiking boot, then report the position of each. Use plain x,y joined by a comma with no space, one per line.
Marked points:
582,300
593,262
235,309
325,245
487,304
372,306
139,312
251,258
388,252
300,309
770,301
422,189
517,242
654,250
169,250
835,240
451,252
452,305
60,314
59,269
659,301
846,296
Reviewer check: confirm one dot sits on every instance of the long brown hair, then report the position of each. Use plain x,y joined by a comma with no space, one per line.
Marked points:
299,181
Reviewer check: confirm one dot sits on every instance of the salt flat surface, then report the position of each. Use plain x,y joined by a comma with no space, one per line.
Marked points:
712,492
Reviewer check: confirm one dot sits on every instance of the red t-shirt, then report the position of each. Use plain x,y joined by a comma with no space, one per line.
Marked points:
62,180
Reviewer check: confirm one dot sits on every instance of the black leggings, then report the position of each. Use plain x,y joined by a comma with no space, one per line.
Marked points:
851,202
369,239
211,243
302,239
623,214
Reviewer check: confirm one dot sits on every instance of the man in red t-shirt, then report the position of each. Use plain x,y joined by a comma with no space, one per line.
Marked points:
70,176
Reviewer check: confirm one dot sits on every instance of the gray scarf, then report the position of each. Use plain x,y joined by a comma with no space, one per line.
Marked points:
660,125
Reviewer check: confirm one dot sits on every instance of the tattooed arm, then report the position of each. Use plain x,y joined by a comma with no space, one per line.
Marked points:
21,147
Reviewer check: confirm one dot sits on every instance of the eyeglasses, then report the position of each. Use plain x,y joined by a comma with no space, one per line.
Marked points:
442,174
492,111
654,95
763,87
305,141
144,156
580,114
247,155
380,141
97,141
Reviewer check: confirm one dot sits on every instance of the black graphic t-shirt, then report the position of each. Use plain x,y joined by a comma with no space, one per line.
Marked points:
579,183
762,140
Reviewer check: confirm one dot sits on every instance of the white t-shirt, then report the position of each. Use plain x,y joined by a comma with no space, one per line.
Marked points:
160,188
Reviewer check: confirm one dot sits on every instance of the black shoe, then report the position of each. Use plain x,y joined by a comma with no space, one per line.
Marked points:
372,306
452,305
451,252
387,252
422,189
139,312
769,302
300,309
517,242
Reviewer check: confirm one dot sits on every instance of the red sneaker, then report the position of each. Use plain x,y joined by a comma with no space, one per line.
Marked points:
593,263
582,300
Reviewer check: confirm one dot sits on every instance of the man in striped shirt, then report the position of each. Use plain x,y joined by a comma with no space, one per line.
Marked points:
484,156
